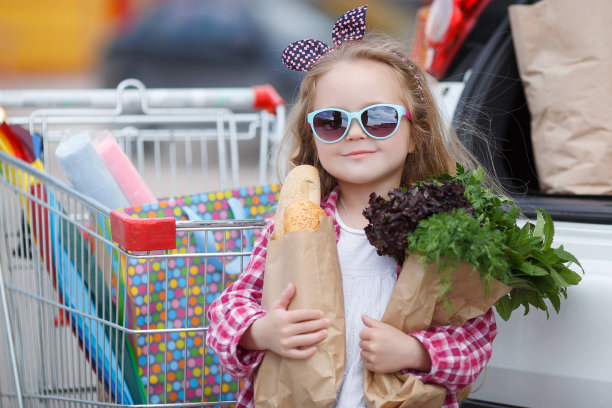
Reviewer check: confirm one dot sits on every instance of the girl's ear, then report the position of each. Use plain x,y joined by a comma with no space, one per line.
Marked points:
411,143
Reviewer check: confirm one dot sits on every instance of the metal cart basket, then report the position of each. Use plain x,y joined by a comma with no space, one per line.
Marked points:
106,307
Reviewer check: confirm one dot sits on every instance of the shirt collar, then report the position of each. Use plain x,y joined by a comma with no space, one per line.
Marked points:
329,204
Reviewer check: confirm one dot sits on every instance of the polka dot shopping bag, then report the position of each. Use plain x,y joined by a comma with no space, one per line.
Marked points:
168,293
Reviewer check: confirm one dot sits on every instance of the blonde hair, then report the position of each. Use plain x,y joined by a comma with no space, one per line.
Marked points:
437,147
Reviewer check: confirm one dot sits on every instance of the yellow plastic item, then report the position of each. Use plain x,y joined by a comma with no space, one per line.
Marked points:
58,35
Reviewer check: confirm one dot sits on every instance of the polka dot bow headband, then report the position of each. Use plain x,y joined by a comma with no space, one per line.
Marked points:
302,55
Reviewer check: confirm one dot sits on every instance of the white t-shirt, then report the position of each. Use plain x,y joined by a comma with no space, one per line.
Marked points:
367,282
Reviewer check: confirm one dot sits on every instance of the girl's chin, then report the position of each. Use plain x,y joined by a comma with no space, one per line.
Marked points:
362,179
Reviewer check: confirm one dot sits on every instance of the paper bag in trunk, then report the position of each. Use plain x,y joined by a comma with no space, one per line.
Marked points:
308,259
415,304
564,57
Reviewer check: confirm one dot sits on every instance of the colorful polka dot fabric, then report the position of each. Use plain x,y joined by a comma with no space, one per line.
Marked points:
171,291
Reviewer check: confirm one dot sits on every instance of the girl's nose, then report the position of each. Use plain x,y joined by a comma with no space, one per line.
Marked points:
355,131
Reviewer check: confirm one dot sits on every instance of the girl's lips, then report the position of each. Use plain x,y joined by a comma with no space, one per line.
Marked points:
358,154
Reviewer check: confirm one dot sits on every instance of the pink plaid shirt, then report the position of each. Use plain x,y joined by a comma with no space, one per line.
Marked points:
458,353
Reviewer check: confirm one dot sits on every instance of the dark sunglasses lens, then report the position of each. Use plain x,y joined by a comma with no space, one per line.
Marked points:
330,125
380,121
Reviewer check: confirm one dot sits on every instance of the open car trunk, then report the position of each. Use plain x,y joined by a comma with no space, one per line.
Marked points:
494,101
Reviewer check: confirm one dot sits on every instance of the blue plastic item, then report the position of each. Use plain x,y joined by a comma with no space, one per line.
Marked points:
205,240
72,290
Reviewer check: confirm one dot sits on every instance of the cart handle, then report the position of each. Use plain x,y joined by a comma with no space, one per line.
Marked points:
266,97
142,234
133,93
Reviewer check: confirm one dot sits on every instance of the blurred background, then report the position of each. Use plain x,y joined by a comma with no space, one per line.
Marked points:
171,43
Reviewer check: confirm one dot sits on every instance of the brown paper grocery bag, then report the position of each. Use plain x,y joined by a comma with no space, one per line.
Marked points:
467,299
309,259
415,305
564,57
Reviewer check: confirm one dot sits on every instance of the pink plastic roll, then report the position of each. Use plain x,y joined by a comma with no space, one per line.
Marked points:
129,180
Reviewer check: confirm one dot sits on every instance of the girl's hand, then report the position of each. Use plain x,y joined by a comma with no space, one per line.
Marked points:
288,333
385,349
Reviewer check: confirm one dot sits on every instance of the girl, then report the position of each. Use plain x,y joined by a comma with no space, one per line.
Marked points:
367,121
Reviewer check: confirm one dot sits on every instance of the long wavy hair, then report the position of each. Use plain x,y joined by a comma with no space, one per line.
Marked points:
437,147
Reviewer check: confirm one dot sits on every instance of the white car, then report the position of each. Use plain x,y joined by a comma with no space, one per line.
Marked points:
562,360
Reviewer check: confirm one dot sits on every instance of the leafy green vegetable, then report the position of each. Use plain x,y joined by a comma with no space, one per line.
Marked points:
400,214
448,239
538,271
489,239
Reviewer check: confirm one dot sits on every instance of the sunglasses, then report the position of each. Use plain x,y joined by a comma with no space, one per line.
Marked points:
377,121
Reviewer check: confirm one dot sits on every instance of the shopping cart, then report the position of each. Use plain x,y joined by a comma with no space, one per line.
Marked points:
105,307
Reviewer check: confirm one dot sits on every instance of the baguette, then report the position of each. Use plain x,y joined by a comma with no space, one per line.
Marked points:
302,215
302,183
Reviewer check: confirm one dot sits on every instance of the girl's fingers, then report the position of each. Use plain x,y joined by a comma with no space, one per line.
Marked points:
305,340
301,354
285,297
303,315
369,322
309,326
365,334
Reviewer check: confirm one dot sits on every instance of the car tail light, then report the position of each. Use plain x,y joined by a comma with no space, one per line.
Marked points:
441,29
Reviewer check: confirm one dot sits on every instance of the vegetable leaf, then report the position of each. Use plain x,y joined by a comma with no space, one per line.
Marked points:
455,219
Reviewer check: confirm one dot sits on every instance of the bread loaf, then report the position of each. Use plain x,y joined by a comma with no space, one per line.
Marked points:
302,215
302,183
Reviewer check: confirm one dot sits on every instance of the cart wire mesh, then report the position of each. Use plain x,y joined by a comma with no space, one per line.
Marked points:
92,318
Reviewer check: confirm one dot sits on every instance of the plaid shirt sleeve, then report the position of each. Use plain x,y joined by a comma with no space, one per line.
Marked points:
231,314
458,353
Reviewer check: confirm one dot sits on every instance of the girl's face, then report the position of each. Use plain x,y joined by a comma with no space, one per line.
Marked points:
358,159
